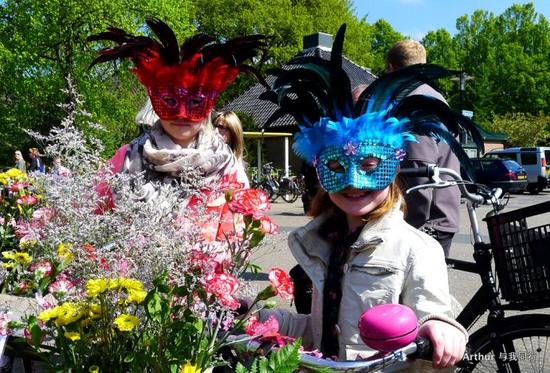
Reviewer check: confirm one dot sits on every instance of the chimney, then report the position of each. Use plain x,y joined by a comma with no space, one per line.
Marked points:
318,40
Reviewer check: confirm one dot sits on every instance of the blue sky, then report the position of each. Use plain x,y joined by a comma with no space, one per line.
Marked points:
414,18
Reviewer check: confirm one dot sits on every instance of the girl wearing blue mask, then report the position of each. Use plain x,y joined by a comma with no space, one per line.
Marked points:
358,251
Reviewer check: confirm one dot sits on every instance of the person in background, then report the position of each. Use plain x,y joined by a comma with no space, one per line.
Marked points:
36,161
434,211
183,86
20,162
58,169
229,126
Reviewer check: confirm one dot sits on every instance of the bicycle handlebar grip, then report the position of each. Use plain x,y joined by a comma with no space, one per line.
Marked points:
417,172
424,349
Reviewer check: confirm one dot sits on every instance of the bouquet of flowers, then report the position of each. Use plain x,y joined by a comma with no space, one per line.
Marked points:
132,284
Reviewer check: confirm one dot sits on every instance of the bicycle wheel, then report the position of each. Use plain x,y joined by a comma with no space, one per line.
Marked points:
290,192
525,345
269,190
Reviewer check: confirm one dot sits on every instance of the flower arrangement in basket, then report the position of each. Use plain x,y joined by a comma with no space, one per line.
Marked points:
127,284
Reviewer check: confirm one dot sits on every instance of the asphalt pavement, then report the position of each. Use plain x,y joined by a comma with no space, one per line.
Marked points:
275,253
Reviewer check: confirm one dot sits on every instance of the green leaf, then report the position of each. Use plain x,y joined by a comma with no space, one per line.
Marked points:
153,306
36,335
129,358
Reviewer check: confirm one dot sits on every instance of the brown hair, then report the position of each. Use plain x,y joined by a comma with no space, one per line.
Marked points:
231,121
322,202
405,53
34,152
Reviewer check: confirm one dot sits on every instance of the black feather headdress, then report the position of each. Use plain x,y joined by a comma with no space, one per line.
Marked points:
318,95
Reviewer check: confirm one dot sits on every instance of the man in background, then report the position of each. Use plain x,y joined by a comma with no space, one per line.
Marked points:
434,211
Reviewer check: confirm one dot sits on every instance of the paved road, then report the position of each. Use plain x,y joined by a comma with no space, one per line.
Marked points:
462,285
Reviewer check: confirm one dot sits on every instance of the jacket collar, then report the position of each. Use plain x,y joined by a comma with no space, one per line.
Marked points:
306,243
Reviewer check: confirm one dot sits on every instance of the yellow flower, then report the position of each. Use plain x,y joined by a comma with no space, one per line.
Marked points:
93,369
130,284
22,258
94,312
98,286
64,252
189,368
4,180
8,254
27,244
69,312
50,313
8,265
14,173
73,336
126,323
136,296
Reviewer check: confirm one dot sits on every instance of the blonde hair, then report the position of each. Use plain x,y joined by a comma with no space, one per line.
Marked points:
322,202
35,152
405,53
231,121
18,152
146,116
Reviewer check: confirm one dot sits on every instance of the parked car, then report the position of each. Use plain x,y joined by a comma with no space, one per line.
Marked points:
536,161
500,173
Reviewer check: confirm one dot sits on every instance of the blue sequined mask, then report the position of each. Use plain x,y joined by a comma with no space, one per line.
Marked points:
362,166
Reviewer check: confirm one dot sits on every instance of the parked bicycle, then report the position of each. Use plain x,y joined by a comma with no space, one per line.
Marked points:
275,184
514,268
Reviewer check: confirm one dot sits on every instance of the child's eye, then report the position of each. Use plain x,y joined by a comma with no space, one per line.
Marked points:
170,101
335,166
369,164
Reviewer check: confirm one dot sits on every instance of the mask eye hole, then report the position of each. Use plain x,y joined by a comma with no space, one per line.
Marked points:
170,101
335,166
195,101
369,164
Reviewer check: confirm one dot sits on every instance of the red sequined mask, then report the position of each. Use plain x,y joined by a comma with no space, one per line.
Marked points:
172,103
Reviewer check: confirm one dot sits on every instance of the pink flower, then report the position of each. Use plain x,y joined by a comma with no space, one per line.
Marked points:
27,200
267,330
44,266
230,182
268,226
61,285
42,216
4,320
43,302
223,286
250,202
282,282
21,185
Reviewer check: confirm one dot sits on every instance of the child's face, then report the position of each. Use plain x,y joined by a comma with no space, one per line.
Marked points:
182,132
358,202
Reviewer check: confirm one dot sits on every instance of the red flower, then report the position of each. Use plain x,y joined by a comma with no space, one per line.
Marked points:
267,330
43,266
268,226
231,182
21,185
282,282
90,249
27,200
223,286
250,202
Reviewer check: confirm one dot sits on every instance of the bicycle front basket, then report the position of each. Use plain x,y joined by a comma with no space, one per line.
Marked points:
522,255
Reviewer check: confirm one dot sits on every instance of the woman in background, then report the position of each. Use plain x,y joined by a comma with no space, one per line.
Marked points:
229,126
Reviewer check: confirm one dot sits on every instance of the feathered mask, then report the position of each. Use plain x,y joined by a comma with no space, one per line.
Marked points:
182,82
361,144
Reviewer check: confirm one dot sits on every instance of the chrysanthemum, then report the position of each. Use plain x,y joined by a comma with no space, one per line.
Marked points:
73,336
22,258
126,323
97,286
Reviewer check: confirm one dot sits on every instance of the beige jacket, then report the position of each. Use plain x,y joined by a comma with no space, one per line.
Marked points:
391,262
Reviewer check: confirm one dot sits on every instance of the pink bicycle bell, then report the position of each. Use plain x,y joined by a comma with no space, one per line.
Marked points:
387,327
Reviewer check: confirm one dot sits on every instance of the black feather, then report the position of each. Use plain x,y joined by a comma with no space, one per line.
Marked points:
420,108
167,38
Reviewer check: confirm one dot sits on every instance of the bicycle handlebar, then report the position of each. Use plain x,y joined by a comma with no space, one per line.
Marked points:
421,348
433,172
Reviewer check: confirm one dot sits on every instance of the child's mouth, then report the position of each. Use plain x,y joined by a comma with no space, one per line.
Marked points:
355,194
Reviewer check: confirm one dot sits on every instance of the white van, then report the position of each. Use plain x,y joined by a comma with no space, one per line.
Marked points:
536,161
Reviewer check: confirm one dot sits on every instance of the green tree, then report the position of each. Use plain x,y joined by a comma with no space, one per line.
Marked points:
44,42
507,56
383,38
523,129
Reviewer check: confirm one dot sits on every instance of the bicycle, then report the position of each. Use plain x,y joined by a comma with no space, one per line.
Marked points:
514,271
275,185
